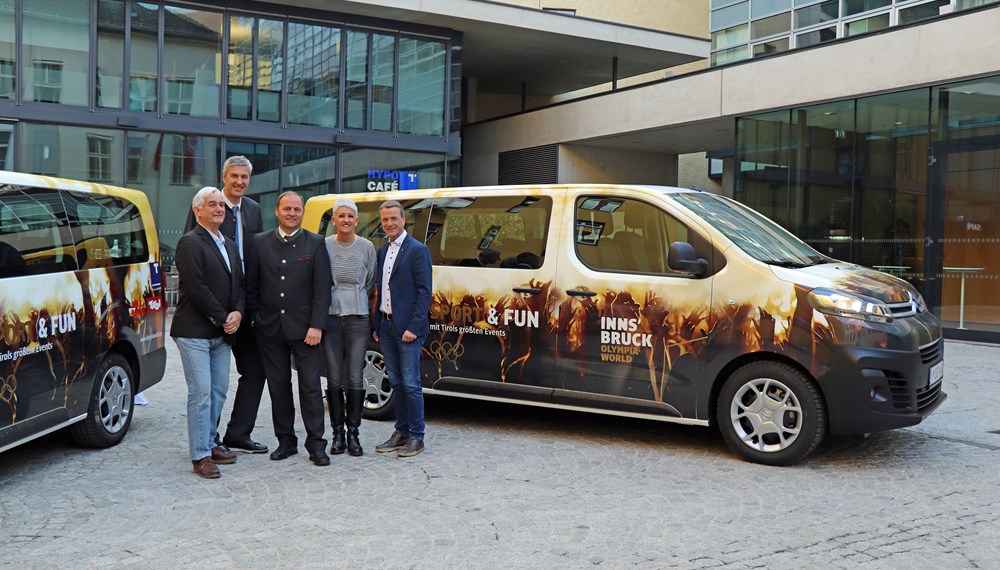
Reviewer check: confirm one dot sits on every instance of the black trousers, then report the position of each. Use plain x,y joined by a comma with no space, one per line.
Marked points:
250,386
276,354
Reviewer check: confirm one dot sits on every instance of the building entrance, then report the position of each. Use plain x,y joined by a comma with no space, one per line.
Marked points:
963,235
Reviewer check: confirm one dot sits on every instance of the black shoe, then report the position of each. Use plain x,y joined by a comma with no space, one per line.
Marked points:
353,445
412,447
339,444
283,453
393,443
247,445
319,458
219,444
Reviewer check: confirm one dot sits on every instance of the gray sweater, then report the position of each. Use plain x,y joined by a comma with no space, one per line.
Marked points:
353,271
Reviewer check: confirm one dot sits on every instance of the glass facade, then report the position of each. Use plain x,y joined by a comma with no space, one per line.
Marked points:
907,183
155,95
779,25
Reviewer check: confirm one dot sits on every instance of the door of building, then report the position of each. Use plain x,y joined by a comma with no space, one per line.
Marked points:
963,237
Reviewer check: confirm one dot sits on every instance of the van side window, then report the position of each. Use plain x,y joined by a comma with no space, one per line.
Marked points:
621,234
33,233
490,231
107,230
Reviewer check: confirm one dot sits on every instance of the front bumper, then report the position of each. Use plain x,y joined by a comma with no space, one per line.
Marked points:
875,389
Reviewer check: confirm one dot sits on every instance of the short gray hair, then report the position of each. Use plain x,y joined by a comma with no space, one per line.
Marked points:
199,198
238,160
392,204
345,203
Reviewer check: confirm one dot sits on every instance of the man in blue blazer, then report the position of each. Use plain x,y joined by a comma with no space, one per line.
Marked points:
403,286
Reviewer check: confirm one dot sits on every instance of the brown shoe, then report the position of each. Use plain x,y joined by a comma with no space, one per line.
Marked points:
222,456
205,468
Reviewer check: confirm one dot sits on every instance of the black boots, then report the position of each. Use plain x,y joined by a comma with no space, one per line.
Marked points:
335,400
355,399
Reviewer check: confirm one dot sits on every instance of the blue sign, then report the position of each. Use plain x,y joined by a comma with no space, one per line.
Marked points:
390,180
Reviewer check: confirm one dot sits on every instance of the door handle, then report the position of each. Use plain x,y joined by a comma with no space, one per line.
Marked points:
528,290
581,293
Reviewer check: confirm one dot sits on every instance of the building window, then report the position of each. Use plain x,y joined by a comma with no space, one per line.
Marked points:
313,74
7,78
133,160
180,95
99,158
142,96
357,79
192,59
55,51
421,86
182,163
48,81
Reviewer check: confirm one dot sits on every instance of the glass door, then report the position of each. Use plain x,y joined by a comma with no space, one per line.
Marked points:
967,229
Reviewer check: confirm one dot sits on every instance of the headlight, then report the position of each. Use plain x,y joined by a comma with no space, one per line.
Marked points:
850,305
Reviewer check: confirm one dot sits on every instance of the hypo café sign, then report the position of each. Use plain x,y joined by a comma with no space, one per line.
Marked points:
389,180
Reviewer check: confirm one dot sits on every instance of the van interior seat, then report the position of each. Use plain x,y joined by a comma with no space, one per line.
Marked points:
631,244
460,247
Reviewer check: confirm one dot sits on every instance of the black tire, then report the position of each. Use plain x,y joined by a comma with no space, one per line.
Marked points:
379,395
771,413
109,413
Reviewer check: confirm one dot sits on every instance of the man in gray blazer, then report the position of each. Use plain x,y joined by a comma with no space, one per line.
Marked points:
209,312
288,291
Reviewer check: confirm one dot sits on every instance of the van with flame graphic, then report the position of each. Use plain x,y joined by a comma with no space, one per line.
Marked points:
81,308
657,303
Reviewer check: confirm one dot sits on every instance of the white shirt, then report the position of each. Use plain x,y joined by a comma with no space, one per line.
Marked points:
220,242
390,260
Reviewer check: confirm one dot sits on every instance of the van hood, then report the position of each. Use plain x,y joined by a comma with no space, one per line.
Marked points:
851,278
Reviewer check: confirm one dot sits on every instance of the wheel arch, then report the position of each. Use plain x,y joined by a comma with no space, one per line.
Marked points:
748,358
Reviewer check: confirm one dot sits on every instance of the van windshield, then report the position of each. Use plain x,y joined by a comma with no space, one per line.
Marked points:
755,234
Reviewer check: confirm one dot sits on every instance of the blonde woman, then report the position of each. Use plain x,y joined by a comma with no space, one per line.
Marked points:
352,265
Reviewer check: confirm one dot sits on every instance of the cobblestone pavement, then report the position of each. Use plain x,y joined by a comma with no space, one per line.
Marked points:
515,487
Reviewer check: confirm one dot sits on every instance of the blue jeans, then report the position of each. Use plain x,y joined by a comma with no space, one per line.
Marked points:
206,370
344,348
402,364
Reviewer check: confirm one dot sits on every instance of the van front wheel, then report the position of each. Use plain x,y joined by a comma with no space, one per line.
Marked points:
378,404
771,413
109,414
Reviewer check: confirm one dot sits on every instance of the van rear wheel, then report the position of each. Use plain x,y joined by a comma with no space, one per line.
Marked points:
109,413
771,413
378,404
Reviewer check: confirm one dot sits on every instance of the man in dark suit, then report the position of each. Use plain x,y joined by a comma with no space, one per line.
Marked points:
209,312
288,291
403,285
242,221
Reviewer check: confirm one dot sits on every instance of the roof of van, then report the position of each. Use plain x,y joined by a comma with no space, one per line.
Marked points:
402,194
40,181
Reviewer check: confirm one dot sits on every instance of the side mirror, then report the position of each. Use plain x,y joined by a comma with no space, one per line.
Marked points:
681,257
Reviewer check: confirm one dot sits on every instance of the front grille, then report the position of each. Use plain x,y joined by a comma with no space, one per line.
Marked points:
899,388
927,395
904,309
932,352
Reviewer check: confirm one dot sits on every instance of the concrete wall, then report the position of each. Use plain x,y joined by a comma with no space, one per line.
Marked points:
580,163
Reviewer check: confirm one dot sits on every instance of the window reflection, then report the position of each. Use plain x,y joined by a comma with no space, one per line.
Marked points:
357,80
56,51
313,74
421,86
270,69
170,169
383,80
240,80
80,153
110,52
142,90
7,49
192,50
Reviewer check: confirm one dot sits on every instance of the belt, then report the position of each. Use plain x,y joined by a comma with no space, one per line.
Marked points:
386,316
